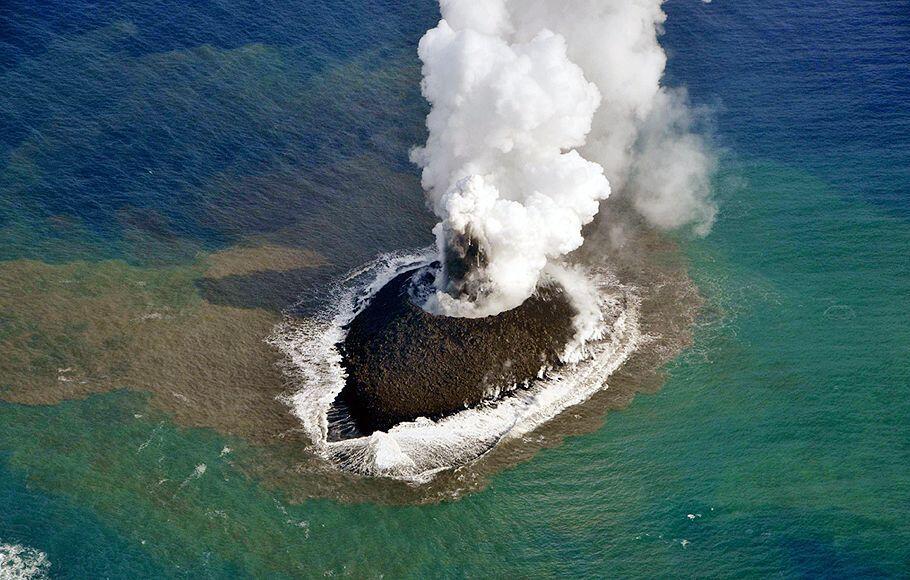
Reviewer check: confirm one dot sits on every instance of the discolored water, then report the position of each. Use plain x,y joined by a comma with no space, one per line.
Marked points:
174,177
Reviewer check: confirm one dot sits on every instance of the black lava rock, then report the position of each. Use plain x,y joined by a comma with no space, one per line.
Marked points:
403,362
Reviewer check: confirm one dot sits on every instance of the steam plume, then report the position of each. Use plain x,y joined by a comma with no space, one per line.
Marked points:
535,105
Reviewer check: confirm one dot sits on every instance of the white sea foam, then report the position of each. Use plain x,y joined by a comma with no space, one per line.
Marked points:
22,563
415,451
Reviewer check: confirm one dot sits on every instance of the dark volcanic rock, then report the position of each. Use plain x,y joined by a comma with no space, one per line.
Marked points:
403,363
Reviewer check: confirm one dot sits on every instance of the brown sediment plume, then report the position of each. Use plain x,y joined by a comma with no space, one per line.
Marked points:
243,260
403,362
71,330
671,307
650,262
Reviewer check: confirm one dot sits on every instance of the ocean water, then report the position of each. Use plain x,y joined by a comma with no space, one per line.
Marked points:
173,177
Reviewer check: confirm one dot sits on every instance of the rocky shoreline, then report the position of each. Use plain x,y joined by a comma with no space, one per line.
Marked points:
403,362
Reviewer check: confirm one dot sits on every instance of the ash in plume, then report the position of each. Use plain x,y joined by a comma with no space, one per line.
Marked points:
536,104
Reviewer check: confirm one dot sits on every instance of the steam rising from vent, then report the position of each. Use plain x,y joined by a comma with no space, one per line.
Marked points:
535,105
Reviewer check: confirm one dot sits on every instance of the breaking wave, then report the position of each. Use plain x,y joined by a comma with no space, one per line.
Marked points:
417,450
22,563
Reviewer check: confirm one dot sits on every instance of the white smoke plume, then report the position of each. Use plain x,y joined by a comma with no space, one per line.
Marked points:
535,105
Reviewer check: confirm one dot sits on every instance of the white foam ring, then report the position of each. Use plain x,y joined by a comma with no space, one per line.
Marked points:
417,450
22,563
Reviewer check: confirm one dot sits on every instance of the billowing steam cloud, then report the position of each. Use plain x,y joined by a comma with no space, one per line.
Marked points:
535,105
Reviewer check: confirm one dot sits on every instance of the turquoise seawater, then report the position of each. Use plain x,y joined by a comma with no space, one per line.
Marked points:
140,145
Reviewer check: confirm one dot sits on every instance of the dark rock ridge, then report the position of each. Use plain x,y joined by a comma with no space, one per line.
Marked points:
403,362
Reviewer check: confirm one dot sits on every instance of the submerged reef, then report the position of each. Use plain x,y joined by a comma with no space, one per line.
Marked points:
403,362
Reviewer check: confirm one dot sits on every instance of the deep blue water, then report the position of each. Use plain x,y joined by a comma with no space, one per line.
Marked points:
112,137
143,113
819,85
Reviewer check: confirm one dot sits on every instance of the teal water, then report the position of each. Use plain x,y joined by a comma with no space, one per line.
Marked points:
779,444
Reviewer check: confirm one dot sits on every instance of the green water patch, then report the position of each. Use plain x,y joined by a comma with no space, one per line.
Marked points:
785,426
75,542
778,446
165,491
